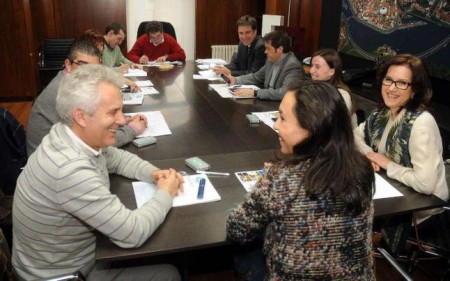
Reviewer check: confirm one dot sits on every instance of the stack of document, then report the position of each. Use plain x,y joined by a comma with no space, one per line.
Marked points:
268,117
135,72
133,98
147,87
211,61
207,74
158,63
144,191
226,91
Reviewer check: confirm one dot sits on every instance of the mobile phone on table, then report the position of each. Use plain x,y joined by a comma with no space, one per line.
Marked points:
225,78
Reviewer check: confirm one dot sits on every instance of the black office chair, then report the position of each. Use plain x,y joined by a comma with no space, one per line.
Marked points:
54,52
167,28
433,240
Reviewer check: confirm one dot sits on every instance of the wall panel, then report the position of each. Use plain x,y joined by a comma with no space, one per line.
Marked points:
304,21
216,22
17,70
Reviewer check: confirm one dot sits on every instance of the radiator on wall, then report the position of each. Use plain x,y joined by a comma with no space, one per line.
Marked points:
224,52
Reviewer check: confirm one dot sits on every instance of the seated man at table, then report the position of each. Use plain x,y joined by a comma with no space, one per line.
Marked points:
250,56
280,70
63,194
156,46
112,55
43,113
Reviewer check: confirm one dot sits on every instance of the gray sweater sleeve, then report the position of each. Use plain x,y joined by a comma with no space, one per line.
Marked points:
124,135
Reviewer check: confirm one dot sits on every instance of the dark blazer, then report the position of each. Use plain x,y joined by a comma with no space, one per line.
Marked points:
248,61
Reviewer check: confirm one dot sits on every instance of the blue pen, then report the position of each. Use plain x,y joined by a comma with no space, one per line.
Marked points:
201,188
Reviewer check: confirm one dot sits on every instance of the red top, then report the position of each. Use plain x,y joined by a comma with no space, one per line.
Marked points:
169,47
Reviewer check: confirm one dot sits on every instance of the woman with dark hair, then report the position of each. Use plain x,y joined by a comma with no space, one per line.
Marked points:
326,65
402,137
314,204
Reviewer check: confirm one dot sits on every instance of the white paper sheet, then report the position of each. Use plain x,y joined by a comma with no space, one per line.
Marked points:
383,189
204,66
149,91
144,83
211,61
135,72
198,77
133,98
157,125
209,74
158,63
143,192
224,90
268,117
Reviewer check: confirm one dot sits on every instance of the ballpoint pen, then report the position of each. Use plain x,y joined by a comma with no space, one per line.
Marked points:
212,173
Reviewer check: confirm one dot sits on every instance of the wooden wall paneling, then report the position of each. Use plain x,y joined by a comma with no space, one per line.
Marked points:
311,12
43,19
18,70
34,53
216,22
69,19
304,20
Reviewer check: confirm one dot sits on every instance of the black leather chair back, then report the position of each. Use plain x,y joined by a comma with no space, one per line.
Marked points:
55,52
167,28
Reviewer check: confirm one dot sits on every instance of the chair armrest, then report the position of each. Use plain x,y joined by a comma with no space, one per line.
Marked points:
77,276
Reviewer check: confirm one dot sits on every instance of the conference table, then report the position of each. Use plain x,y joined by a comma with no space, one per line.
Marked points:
214,128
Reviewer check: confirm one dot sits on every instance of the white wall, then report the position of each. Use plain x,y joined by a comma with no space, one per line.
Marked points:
181,13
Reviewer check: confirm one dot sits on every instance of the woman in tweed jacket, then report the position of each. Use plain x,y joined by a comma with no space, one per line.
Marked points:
314,204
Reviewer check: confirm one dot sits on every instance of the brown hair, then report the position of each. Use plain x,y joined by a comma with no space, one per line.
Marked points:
246,20
93,35
333,61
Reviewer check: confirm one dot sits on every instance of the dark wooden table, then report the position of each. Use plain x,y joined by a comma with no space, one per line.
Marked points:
204,124
201,121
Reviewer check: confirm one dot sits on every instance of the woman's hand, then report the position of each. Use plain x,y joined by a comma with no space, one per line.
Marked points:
378,160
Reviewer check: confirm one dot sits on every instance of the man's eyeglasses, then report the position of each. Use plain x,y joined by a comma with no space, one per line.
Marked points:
401,85
80,62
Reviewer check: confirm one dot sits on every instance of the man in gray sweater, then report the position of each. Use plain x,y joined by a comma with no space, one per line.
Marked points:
43,113
280,70
63,194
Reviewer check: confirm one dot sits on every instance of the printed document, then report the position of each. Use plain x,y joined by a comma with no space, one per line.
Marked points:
157,125
135,72
143,192
248,179
225,91
144,83
132,98
149,91
268,117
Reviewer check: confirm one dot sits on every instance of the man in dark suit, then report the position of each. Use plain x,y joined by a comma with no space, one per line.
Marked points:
250,56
